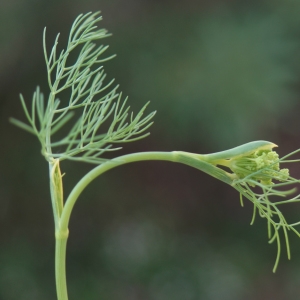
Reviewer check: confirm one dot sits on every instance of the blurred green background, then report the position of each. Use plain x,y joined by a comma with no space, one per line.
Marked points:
219,73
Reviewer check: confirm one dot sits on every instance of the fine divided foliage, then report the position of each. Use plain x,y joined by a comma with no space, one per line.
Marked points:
268,187
94,102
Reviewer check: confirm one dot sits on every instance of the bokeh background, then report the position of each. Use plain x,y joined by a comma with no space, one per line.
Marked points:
219,73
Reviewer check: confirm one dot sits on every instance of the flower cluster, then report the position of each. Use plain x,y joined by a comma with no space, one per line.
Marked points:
261,165
257,176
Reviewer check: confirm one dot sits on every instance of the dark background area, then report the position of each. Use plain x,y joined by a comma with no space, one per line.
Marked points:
219,73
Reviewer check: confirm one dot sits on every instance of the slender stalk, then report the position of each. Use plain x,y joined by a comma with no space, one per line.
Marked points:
60,265
62,232
97,171
175,156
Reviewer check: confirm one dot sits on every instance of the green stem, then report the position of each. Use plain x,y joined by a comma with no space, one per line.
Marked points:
175,156
62,232
60,264
93,174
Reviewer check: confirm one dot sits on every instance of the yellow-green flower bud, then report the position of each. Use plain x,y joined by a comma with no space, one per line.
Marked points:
263,164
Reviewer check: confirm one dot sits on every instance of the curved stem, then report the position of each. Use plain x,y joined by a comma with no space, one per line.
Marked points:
62,231
93,174
174,156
